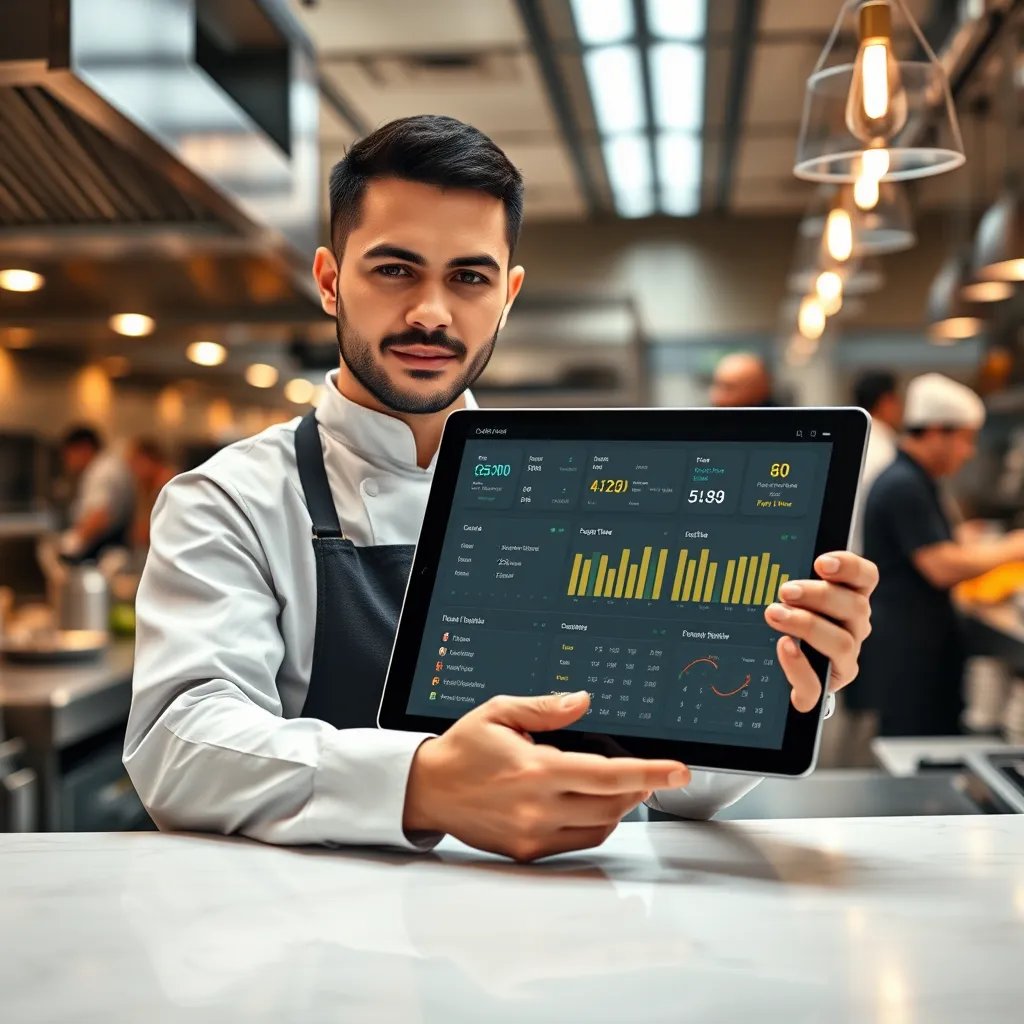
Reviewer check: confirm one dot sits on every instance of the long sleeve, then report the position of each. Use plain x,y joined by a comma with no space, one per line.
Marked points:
208,747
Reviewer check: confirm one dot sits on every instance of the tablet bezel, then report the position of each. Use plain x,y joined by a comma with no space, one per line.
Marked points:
846,428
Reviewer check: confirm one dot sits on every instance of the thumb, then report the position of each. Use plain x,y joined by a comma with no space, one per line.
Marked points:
539,714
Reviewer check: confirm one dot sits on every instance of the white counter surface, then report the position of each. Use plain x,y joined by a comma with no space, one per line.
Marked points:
894,920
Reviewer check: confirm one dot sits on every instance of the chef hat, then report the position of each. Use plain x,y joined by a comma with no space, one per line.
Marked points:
936,401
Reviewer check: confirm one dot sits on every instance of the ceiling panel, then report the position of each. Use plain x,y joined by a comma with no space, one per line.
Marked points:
777,82
819,16
511,99
764,157
410,26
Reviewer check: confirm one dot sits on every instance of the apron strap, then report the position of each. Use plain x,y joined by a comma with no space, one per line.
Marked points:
313,476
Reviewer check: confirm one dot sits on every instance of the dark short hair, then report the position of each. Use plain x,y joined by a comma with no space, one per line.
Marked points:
432,150
872,387
81,435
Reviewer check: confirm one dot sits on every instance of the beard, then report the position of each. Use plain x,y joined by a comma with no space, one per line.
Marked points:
358,356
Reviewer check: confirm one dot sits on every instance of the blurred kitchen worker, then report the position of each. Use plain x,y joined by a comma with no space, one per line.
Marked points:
741,379
101,511
912,664
152,470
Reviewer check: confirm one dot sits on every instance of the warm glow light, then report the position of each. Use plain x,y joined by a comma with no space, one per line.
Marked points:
206,353
875,163
811,319
94,394
15,280
220,417
987,291
865,192
300,391
839,235
955,328
132,325
170,407
1008,270
876,82
261,375
17,337
829,289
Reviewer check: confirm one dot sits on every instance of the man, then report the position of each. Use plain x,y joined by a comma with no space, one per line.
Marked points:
913,662
262,651
877,393
101,511
741,379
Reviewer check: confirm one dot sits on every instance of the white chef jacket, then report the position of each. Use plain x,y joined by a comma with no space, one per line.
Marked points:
226,619
106,483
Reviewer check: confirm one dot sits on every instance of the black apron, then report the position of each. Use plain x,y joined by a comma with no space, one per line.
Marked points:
359,594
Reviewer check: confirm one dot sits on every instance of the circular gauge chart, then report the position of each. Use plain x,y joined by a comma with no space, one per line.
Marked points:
724,691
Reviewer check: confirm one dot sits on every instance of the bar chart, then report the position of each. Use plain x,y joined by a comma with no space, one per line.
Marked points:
749,579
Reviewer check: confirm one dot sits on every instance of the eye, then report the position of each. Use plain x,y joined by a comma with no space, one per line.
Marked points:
391,270
470,277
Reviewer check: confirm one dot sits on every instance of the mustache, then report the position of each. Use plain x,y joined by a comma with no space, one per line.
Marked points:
437,339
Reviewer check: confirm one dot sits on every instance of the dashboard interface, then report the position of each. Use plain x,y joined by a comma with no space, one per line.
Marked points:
638,571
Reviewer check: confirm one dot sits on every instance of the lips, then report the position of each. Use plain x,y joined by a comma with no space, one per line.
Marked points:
425,357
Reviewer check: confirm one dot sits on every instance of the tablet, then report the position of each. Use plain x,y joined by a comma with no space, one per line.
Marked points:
629,553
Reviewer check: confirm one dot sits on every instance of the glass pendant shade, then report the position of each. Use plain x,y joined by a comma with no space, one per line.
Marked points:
872,112
860,275
885,228
999,244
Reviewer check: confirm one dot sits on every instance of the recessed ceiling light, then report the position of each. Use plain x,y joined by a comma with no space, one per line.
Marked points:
677,78
206,353
616,88
261,375
16,280
300,391
628,160
600,22
132,325
677,19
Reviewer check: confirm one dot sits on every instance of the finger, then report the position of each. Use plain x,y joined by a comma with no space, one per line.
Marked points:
835,642
580,810
845,605
849,569
564,840
536,714
608,776
802,678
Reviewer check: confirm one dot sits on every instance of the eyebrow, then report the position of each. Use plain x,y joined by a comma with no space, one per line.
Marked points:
396,252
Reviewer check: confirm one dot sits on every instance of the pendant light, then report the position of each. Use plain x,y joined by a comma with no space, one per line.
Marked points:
883,228
877,118
999,243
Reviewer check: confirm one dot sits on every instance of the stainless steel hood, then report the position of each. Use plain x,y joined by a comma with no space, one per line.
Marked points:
158,156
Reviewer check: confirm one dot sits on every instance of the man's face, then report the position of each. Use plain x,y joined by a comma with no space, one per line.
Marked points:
76,457
960,448
423,288
739,380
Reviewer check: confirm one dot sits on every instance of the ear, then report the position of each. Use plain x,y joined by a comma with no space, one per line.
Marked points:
325,273
515,282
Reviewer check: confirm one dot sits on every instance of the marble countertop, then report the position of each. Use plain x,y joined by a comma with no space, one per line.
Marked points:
894,920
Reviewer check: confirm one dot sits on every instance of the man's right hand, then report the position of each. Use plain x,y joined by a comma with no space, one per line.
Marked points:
487,783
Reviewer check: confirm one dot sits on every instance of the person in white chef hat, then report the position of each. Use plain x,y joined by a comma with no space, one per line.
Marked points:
912,664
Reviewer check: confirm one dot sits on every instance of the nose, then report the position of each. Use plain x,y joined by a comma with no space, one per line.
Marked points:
430,312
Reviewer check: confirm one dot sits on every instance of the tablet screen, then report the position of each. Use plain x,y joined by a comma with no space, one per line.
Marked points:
638,571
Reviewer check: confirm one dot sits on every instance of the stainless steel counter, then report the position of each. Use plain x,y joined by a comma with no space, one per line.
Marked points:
896,919
59,711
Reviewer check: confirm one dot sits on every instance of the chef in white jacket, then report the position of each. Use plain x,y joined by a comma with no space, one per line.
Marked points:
270,597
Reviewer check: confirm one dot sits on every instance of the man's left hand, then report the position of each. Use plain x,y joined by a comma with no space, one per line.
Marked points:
832,614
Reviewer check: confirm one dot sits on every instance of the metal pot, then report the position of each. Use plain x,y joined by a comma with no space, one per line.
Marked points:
83,599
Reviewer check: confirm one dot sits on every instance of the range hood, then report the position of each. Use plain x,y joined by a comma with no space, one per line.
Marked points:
159,156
